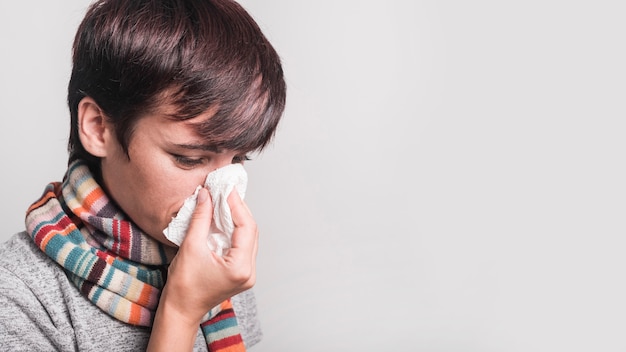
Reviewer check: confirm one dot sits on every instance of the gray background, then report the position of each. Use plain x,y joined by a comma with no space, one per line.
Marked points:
449,175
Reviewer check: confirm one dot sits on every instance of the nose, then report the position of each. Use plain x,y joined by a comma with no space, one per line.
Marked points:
222,160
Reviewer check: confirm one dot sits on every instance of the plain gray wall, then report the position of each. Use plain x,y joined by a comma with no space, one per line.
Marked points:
448,176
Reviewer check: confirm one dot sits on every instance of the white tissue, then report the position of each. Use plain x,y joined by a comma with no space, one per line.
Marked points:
220,183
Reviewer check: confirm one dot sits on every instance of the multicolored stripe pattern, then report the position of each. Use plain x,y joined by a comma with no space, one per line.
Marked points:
222,331
119,268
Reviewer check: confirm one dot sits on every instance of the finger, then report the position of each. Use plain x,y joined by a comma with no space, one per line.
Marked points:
235,200
245,233
252,278
201,218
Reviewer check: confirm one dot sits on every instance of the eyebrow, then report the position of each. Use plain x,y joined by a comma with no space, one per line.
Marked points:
199,146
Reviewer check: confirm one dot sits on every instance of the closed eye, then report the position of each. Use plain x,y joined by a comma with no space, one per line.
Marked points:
186,161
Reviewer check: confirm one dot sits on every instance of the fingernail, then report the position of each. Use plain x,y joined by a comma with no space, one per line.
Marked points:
203,194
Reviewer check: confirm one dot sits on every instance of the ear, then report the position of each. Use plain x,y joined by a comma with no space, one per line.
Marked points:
94,130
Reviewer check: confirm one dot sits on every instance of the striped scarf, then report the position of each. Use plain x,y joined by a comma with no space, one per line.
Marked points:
109,259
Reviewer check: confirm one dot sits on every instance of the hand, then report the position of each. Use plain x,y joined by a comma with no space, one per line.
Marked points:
198,279
198,276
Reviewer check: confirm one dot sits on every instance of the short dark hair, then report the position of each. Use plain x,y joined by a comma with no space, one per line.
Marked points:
132,56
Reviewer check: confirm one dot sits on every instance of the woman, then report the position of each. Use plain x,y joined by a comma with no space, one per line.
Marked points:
162,93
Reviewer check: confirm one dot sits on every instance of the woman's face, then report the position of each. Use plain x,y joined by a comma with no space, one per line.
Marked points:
167,161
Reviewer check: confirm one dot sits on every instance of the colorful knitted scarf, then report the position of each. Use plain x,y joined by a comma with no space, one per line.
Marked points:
111,262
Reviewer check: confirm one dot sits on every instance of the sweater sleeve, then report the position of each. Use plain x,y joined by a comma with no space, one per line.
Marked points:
247,317
25,324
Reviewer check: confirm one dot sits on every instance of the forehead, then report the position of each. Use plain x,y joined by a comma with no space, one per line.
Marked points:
165,128
163,123
241,126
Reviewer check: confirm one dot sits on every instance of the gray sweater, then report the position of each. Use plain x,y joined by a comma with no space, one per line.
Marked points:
41,310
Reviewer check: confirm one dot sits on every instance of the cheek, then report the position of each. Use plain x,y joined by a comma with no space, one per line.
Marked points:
169,190
164,186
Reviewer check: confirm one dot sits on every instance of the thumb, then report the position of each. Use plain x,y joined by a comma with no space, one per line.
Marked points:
201,218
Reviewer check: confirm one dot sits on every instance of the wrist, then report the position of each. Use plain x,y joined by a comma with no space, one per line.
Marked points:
172,329
174,306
